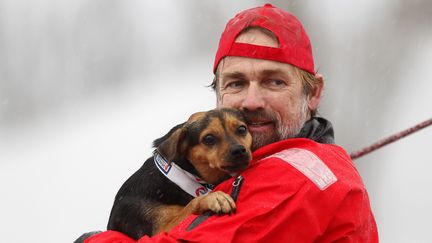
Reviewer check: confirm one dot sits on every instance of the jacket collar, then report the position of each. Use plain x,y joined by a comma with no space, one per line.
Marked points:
318,129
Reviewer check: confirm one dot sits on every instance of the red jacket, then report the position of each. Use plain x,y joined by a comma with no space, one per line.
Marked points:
295,190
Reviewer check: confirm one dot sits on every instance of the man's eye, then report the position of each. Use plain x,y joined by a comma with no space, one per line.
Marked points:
235,85
276,83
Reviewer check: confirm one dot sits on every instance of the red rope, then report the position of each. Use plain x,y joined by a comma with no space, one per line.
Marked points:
391,139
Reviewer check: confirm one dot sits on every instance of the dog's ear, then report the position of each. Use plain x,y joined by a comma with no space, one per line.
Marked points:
172,144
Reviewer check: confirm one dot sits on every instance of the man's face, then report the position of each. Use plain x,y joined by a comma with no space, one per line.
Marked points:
269,93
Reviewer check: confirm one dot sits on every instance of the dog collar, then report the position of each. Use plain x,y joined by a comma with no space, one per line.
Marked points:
190,183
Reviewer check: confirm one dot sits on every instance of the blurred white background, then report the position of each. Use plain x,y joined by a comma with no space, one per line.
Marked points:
86,86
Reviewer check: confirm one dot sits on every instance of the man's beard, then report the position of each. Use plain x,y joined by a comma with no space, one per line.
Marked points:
283,129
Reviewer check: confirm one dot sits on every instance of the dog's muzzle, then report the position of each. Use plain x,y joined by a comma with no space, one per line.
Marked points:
237,159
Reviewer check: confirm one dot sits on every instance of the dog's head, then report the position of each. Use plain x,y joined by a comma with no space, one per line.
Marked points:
217,143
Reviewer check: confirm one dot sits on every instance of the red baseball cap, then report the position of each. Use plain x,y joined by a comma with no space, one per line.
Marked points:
294,45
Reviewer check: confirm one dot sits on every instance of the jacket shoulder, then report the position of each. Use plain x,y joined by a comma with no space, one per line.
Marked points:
322,164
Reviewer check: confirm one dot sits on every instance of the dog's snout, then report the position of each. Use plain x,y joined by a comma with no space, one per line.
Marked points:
237,159
238,150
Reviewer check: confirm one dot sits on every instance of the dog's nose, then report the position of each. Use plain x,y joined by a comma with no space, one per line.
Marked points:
238,150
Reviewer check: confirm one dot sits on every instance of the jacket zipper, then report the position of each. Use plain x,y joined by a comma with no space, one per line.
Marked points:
236,186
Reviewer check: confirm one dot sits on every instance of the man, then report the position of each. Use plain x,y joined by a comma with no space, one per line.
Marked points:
300,187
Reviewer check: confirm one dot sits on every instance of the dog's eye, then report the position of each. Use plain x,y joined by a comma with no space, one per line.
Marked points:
209,139
241,130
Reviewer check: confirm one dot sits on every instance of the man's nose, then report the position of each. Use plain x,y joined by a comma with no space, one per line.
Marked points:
254,98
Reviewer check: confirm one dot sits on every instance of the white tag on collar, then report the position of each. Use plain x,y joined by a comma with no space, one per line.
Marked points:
190,183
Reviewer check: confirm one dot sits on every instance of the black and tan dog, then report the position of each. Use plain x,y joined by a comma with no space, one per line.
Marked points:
211,146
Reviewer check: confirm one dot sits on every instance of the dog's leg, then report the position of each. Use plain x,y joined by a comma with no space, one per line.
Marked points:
217,202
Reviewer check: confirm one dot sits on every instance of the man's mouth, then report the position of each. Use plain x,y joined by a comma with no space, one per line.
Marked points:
254,125
260,121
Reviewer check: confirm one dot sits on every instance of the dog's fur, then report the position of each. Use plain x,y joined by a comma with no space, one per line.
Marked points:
211,145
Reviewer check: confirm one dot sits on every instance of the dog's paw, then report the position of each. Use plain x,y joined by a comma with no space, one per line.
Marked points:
218,202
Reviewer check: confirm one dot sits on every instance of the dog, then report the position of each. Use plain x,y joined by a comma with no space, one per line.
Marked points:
207,149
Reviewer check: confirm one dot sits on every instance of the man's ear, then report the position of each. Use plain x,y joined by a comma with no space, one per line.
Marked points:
171,145
315,96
